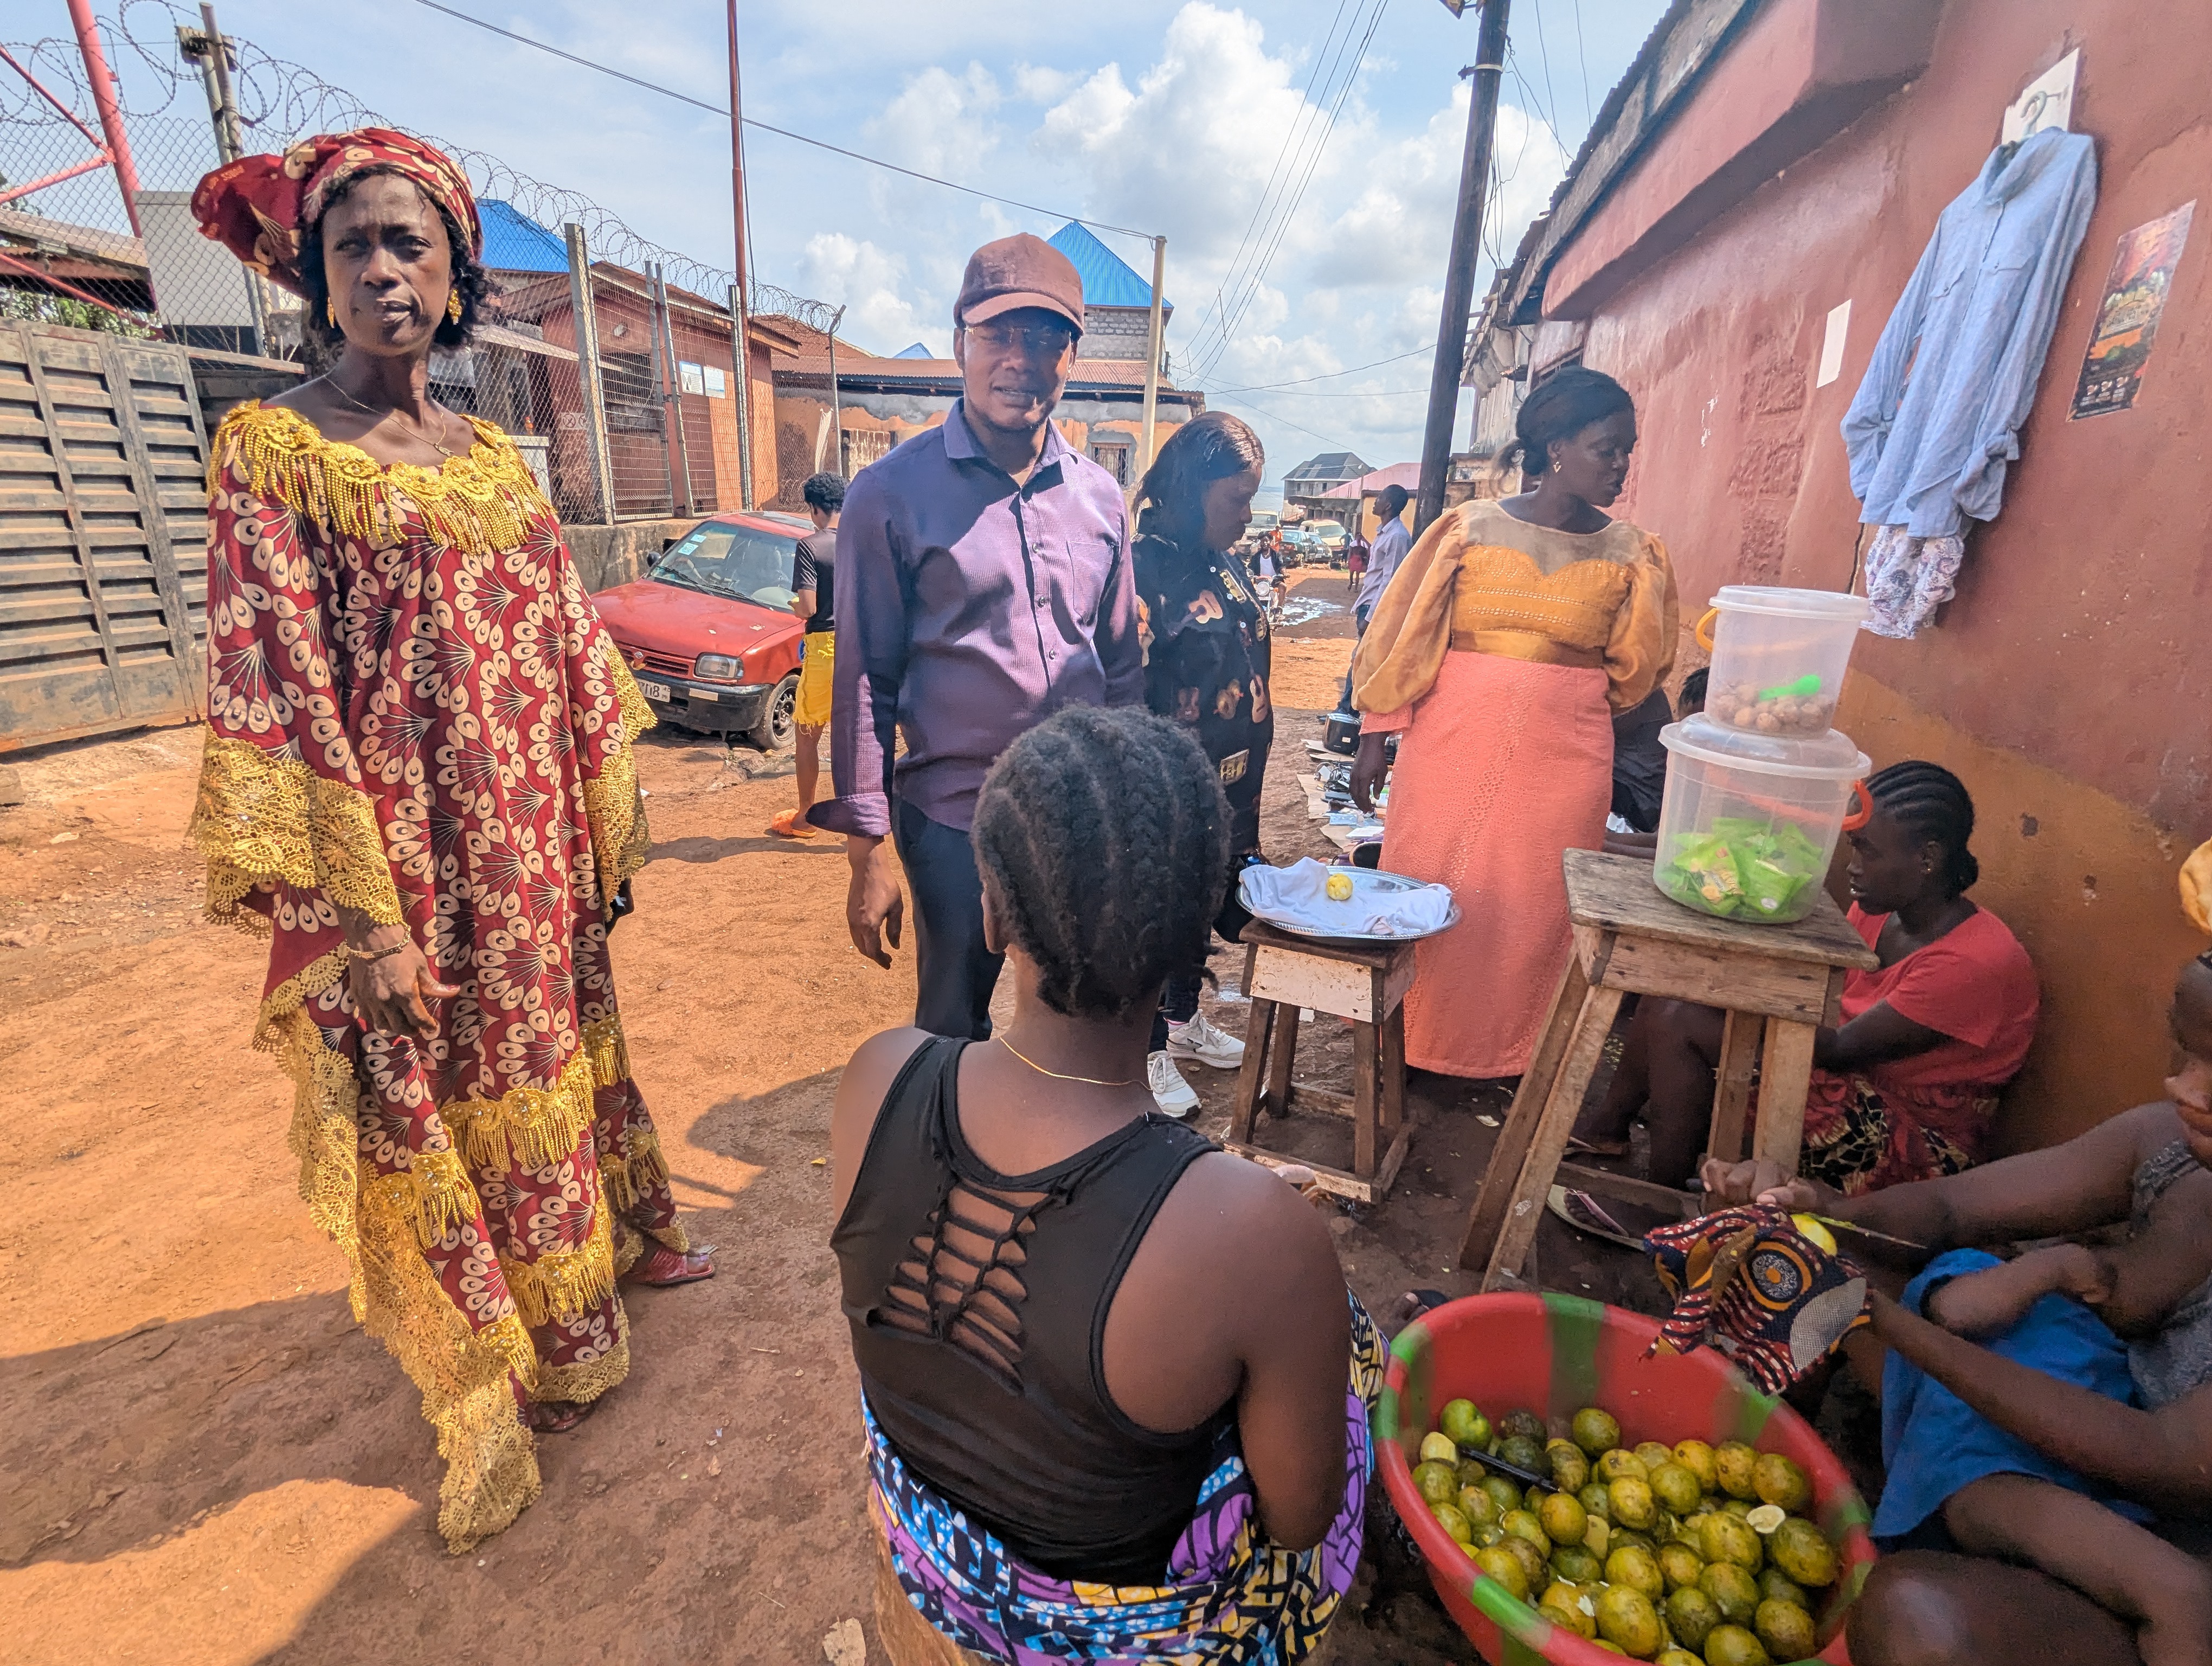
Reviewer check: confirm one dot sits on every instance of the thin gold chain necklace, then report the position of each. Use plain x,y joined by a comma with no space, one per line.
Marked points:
1095,1081
405,426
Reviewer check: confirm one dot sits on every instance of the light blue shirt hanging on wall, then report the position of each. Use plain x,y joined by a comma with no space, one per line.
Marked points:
1937,419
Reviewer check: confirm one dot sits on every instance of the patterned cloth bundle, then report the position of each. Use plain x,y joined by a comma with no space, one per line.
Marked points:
1747,1282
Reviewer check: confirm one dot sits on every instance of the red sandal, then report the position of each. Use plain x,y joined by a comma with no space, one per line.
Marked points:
662,1268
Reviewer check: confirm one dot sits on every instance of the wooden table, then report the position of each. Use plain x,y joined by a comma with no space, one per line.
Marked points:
1784,980
1365,982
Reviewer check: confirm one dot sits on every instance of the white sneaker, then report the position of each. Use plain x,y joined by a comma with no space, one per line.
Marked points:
1200,1040
1175,1096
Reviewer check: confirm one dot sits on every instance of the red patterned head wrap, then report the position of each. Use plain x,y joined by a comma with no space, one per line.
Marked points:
258,206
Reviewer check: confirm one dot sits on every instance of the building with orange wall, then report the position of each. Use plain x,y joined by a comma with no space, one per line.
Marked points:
1765,162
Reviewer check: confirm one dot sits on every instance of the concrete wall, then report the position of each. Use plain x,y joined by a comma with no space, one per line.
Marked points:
608,555
2067,683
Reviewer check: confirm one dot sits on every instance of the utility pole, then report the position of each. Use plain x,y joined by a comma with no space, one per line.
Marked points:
837,412
741,300
208,48
1459,277
590,382
1153,359
110,106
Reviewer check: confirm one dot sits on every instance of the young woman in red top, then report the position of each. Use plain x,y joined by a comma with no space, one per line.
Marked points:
1905,1087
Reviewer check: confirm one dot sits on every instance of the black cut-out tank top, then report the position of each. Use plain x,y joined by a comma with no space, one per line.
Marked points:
978,1305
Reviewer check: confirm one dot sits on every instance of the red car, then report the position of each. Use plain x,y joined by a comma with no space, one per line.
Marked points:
709,632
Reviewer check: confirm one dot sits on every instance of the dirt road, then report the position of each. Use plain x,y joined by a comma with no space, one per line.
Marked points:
207,1462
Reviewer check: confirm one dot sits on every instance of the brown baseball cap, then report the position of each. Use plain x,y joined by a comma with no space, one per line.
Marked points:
1016,272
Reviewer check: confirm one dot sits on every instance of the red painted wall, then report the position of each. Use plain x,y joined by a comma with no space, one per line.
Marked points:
2069,680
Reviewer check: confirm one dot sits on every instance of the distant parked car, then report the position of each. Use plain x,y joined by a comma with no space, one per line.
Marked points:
1328,534
709,631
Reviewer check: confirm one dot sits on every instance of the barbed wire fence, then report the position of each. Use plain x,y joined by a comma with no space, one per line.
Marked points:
68,256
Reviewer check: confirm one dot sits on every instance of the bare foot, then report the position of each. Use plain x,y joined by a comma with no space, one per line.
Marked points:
556,1417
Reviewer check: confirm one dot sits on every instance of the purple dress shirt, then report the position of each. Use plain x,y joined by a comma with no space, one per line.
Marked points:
969,610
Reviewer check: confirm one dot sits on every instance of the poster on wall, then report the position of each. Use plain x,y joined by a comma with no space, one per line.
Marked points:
2127,318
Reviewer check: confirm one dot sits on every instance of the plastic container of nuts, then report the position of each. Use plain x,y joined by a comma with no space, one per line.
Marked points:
1778,657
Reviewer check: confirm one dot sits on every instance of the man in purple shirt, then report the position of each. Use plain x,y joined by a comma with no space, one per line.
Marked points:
984,582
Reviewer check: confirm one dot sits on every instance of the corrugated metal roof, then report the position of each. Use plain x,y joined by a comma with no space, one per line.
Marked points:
1107,280
513,242
1407,475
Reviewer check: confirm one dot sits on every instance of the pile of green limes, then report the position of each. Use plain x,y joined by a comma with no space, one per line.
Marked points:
1684,1555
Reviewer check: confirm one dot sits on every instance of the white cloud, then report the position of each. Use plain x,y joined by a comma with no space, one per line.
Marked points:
942,123
872,287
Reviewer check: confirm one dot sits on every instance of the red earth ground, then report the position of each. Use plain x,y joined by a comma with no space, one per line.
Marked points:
207,1462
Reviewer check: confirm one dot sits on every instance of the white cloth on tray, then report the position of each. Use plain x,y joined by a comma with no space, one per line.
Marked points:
1298,894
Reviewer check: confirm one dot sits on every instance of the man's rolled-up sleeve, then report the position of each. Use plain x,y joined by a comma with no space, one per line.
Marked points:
870,664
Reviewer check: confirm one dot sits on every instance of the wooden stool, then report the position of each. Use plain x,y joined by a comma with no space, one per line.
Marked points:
1365,982
1628,937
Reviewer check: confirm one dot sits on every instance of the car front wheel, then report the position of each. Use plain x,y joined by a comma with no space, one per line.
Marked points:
777,724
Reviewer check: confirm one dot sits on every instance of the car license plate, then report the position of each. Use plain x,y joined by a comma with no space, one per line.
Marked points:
654,691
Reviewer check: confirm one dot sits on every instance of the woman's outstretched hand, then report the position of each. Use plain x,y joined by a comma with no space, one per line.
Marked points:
1368,766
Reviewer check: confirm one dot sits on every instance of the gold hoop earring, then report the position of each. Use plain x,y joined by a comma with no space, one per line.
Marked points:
453,306
330,311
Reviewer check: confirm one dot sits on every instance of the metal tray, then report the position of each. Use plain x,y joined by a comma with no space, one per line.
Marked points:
1363,878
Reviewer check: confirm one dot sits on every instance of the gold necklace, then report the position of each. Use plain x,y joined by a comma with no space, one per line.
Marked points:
1095,1081
338,388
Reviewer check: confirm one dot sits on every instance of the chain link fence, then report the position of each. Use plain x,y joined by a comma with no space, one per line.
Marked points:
632,413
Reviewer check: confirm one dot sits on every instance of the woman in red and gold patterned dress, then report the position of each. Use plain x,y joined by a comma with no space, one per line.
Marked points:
419,779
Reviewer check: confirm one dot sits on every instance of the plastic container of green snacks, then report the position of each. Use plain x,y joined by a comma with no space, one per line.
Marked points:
1750,822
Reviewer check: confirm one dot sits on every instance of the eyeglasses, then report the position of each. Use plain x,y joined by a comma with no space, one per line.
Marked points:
1046,340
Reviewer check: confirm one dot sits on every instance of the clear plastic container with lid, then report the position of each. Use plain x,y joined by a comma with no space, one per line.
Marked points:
1778,657
1750,822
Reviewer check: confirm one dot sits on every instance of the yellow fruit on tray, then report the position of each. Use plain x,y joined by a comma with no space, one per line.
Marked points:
1340,887
1675,1486
1534,1569
1572,1619
1676,1658
1637,1569
1524,1524
1439,1449
1449,1518
1730,1539
1596,1499
1785,1629
1502,1489
1437,1482
1621,1464
1653,1453
1779,1481
1595,1431
1464,1423
1597,1534
1732,1645
1626,1620
1478,1506
1733,1463
1577,1564
1570,1468
1776,1586
1563,1518
1631,1503
1698,1458
1502,1565
1766,1518
1690,1614
1733,1591
1680,1565
1802,1551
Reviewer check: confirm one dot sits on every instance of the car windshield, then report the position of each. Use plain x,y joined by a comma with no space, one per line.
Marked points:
740,562
1324,529
1263,521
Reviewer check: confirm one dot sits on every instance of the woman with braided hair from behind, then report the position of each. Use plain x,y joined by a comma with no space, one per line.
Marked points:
1905,1087
1114,1387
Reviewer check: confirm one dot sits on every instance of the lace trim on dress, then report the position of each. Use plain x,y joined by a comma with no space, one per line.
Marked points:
481,503
264,816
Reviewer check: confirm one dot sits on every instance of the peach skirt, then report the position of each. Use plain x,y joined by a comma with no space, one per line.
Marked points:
1503,766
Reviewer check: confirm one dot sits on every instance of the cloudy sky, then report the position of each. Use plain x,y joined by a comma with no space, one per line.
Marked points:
1303,169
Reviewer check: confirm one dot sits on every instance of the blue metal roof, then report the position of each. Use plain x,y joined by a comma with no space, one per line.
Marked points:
919,350
1107,280
515,243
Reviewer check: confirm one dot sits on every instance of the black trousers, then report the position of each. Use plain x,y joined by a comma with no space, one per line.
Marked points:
956,974
1179,999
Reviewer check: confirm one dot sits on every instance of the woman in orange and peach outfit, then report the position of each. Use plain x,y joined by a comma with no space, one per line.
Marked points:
1508,638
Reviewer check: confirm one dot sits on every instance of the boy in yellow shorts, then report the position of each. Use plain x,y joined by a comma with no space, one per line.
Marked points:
813,585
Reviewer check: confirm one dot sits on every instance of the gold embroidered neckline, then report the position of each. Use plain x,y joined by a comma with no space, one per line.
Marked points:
488,440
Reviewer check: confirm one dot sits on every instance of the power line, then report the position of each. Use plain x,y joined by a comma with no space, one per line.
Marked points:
1583,52
1325,375
1287,422
1544,47
1260,272
782,132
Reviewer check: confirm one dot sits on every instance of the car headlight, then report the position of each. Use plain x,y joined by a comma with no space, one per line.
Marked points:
719,667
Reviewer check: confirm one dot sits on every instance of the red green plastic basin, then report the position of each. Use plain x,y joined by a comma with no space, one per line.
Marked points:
1553,1355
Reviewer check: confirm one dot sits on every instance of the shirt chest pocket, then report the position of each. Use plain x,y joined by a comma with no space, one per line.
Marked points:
1086,563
